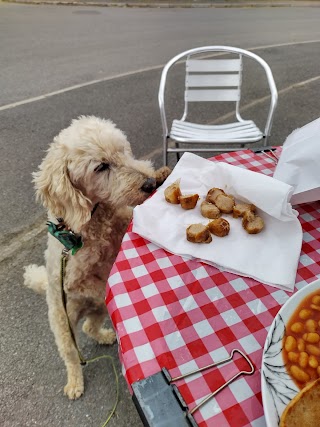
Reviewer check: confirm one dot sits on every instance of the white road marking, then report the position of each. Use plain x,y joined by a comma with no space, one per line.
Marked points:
24,237
75,87
129,73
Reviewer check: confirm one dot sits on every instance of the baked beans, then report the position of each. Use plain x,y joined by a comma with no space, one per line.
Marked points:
301,343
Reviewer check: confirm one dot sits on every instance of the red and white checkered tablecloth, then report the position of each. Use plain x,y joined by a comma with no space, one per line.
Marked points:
183,315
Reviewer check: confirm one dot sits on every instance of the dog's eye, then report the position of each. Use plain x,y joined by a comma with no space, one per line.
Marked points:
102,167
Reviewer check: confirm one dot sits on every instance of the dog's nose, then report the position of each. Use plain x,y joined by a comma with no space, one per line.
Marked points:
149,185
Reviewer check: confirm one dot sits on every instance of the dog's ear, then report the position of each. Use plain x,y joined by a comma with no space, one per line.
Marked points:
56,191
127,148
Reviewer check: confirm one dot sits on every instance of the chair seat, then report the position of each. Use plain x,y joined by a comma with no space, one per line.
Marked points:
238,132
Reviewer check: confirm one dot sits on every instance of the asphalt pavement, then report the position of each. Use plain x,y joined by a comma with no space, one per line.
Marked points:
61,62
177,3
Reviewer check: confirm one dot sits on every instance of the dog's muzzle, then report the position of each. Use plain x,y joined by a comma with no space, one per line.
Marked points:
149,185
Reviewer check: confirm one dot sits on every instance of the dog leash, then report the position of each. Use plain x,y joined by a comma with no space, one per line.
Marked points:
73,242
64,259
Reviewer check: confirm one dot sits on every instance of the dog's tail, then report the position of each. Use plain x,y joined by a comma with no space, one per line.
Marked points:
35,278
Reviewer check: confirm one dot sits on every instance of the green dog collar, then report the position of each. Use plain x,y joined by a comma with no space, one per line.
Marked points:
68,238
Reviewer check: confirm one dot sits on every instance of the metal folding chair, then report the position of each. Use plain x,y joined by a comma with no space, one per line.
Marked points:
213,80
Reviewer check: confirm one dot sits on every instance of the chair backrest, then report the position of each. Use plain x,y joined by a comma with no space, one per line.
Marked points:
215,79
212,80
212,74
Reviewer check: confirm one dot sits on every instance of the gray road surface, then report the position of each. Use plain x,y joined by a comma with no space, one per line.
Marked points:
45,49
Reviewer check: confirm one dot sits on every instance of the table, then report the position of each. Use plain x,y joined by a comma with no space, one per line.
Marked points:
184,315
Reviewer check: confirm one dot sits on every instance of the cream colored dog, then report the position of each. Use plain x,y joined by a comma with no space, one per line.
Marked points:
89,178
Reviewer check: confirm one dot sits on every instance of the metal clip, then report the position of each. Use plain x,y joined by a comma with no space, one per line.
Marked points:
272,155
170,380
65,252
268,151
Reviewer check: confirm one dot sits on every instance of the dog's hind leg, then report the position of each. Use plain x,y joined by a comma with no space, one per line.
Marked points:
60,327
93,327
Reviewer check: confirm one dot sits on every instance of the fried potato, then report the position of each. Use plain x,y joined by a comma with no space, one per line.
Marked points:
219,227
240,208
198,233
173,193
256,226
209,210
213,193
252,223
304,408
189,201
225,203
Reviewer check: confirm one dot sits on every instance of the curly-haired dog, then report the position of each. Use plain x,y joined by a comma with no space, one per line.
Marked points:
89,178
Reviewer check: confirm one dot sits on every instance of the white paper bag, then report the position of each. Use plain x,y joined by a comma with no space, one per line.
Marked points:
299,163
270,257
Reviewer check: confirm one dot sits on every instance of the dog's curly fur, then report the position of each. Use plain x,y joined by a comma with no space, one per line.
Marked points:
90,163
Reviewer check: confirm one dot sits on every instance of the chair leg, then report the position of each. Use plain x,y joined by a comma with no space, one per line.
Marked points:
165,151
265,142
178,154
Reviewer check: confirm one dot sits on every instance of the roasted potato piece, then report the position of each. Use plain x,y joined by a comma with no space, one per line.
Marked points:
173,193
219,227
248,216
213,193
240,208
209,210
252,223
225,203
198,233
255,226
189,201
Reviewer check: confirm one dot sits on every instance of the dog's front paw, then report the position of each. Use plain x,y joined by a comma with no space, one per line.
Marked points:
162,174
106,336
73,390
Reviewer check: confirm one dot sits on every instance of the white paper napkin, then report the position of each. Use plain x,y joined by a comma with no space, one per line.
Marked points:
299,163
270,257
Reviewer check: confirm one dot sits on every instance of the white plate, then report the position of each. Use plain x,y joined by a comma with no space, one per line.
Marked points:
277,386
